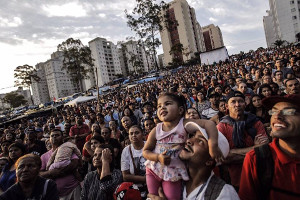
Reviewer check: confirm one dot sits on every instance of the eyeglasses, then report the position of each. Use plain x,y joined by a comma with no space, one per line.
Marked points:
286,112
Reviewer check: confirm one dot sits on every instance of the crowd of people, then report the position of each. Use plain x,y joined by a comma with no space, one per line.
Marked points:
229,130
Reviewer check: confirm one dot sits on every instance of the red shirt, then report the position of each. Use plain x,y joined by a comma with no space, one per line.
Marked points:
286,175
85,153
227,130
79,131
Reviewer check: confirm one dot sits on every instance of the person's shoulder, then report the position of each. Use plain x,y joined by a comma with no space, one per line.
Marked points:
228,192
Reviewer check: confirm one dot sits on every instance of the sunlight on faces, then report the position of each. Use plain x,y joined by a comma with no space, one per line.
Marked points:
285,126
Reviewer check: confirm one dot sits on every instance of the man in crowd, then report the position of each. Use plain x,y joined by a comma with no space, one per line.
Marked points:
243,132
292,86
280,67
282,159
203,184
214,99
79,131
67,185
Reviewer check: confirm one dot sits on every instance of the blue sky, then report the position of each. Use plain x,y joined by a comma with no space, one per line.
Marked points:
31,30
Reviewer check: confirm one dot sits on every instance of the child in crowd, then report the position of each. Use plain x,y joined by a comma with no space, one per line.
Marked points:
61,157
163,166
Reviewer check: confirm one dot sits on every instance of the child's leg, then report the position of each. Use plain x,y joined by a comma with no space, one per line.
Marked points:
172,190
153,182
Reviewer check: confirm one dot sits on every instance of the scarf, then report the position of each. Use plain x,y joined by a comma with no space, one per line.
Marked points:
240,126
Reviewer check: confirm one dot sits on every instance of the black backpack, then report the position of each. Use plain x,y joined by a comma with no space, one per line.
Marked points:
265,173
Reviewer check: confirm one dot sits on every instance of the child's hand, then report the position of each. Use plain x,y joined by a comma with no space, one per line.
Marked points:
216,154
164,159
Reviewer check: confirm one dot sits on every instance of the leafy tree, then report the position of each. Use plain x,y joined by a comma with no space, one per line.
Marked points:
14,99
25,74
77,60
279,43
146,20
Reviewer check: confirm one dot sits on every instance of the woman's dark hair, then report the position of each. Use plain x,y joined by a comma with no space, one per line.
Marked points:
136,126
204,96
264,86
127,107
195,110
253,109
18,145
98,138
179,99
220,114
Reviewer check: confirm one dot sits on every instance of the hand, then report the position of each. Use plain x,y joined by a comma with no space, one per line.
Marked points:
161,195
164,159
106,155
87,145
261,139
216,153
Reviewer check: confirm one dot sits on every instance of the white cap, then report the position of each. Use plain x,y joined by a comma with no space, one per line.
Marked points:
222,141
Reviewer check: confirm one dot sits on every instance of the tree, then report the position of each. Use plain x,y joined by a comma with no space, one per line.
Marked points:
14,99
25,74
146,20
77,60
279,43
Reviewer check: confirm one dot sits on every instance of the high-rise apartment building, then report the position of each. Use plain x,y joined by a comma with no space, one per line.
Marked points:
107,61
213,38
282,21
58,80
187,33
40,89
134,59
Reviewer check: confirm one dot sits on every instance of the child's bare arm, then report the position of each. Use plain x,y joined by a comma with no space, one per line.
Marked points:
149,147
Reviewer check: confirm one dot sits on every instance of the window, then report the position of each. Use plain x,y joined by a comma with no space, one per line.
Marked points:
294,17
292,2
293,9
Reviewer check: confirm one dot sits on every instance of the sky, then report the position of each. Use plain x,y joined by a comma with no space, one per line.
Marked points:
30,30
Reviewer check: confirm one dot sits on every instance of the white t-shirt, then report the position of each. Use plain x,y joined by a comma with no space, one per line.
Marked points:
228,192
126,161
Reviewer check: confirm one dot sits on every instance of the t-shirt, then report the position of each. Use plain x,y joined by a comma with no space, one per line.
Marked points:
227,192
209,113
65,184
139,160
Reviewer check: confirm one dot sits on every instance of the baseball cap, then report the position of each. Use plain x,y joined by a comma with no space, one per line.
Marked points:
222,141
127,191
269,102
234,94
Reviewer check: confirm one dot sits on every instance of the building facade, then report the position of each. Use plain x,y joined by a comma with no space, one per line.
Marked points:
58,80
213,38
106,60
282,21
40,92
186,31
134,58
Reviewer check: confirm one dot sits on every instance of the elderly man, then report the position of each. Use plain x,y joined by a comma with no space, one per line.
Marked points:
243,131
203,184
279,179
67,185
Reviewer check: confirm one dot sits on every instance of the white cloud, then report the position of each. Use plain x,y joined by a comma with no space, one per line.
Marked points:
233,28
66,10
14,22
218,11
102,15
212,19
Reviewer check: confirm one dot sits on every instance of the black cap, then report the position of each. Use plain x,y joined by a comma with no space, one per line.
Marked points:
234,94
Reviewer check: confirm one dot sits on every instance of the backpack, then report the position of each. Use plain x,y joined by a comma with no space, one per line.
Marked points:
265,170
265,173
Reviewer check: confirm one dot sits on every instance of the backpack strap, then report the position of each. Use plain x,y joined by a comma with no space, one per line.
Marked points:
265,170
214,188
45,188
136,170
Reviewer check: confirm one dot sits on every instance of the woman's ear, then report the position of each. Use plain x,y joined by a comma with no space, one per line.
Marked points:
181,110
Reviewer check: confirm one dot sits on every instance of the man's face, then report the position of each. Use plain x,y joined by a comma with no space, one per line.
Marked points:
267,79
126,122
214,100
238,80
292,87
242,88
56,138
195,152
278,76
278,63
285,126
236,105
